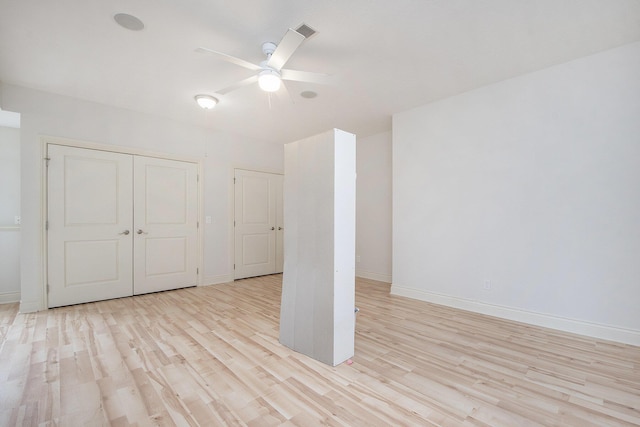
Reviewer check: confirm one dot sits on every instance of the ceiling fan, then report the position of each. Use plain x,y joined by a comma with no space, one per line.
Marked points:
269,73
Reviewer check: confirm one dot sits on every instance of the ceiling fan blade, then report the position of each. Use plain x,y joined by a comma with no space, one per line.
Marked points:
238,85
289,43
305,76
284,95
229,58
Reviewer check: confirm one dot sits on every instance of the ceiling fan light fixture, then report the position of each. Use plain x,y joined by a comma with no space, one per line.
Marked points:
206,101
269,80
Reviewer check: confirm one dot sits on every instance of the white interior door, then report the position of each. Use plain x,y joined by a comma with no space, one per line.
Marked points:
166,224
256,196
90,222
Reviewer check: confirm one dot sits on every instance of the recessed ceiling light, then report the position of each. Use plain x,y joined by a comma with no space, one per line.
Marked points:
308,94
129,22
206,101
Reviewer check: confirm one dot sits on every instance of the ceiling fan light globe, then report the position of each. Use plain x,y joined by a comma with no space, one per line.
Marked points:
269,81
206,101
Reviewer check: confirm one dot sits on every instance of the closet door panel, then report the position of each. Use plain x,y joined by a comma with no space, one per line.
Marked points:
89,238
166,224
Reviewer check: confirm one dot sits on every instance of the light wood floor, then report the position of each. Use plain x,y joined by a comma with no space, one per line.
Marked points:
210,356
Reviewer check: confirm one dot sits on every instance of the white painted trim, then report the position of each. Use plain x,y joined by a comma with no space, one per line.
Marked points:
8,297
217,280
371,275
254,169
43,302
114,149
231,212
201,222
10,228
595,330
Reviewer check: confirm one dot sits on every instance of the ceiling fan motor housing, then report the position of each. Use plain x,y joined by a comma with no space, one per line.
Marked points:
268,48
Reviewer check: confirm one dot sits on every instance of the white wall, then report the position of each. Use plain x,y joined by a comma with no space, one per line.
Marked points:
532,184
373,207
54,115
9,208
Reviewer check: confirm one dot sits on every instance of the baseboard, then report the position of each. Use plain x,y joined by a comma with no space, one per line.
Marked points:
9,297
216,280
595,330
373,276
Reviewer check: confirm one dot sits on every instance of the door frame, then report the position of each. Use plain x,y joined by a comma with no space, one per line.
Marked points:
45,141
232,212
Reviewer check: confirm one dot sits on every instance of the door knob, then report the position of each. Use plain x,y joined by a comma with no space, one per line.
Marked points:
125,232
280,228
141,232
273,228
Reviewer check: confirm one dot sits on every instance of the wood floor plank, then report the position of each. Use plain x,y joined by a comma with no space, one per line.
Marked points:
210,356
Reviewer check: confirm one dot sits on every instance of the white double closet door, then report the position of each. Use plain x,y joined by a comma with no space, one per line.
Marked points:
118,225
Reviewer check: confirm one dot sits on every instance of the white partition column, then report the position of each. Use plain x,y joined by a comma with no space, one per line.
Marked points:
318,289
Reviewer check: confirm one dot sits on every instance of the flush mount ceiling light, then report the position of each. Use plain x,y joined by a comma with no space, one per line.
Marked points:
206,101
129,22
269,80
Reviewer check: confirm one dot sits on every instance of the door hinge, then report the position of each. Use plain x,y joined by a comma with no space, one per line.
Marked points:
198,224
46,225
197,271
234,223
234,180
47,288
46,159
234,266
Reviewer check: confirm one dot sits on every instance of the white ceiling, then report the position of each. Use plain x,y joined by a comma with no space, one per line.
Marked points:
383,56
